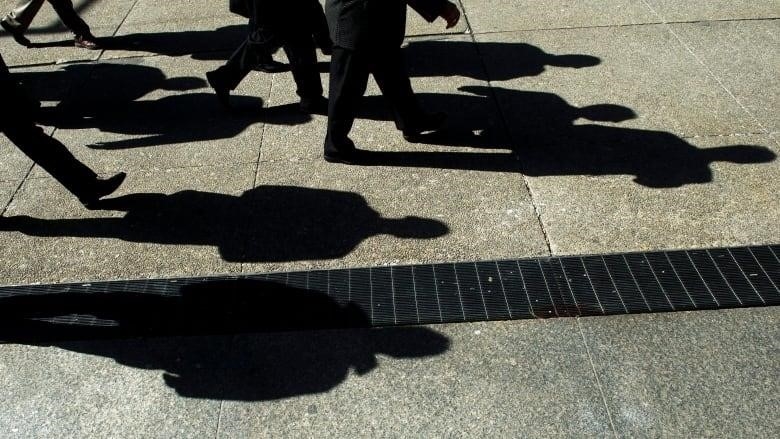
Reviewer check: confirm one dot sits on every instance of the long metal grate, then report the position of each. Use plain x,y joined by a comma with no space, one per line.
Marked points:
569,286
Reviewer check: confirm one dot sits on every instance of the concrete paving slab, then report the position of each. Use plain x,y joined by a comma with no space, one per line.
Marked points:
326,215
645,70
86,389
512,15
207,38
150,11
14,165
613,196
743,55
163,223
51,48
689,374
53,42
165,116
489,380
7,189
671,10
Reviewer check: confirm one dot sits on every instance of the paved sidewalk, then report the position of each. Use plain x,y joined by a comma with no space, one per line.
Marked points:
575,127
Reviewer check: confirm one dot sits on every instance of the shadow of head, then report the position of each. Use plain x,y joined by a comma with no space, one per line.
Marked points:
414,227
742,154
607,113
572,61
504,60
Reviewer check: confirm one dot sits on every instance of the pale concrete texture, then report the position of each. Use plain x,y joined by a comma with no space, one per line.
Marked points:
574,127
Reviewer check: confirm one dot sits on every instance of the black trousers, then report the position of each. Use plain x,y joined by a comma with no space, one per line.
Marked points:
300,50
52,156
349,70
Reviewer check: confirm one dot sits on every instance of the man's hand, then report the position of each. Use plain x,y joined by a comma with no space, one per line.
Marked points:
451,14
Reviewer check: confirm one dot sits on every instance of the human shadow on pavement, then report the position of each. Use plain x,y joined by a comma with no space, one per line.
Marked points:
271,359
546,141
111,100
265,224
209,44
506,61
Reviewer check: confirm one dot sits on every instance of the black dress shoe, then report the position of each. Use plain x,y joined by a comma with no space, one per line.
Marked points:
101,188
318,105
425,123
15,33
88,42
271,66
222,91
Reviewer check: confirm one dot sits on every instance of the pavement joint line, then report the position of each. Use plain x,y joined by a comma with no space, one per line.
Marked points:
707,68
16,191
119,26
505,124
621,25
596,376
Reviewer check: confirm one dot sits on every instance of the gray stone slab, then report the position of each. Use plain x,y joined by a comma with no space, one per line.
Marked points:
743,55
53,42
151,11
14,165
655,191
106,389
470,380
7,189
511,15
689,374
164,116
163,223
330,215
656,81
671,10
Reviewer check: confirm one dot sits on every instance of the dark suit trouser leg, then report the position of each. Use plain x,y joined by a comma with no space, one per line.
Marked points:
348,80
245,58
390,72
69,17
52,156
300,51
24,14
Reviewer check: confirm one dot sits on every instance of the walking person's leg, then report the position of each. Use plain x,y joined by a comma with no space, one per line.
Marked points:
300,50
393,79
348,80
17,21
54,158
83,35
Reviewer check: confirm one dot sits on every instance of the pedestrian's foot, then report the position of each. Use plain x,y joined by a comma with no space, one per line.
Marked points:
318,105
271,66
88,42
222,91
15,33
102,187
425,123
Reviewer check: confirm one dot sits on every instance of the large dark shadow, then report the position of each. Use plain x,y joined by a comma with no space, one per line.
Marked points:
264,366
506,60
113,98
201,44
265,224
546,140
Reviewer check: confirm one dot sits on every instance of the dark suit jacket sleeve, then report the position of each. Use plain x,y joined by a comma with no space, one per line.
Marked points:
428,9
